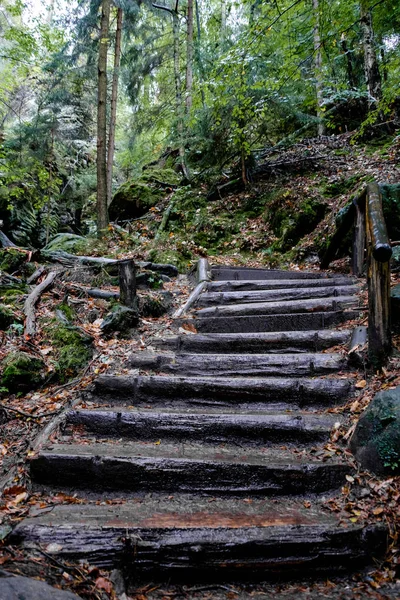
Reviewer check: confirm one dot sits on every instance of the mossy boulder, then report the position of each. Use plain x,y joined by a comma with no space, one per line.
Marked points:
391,209
295,220
121,318
133,199
11,259
73,349
166,177
21,371
67,242
376,440
155,305
7,317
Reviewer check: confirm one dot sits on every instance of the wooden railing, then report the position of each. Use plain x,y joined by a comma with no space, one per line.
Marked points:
370,233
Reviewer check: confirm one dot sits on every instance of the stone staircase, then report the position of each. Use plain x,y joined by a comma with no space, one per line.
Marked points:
218,446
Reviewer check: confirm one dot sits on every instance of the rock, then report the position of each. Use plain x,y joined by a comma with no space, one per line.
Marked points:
150,279
15,587
12,259
72,349
155,305
21,371
121,318
395,259
376,440
391,209
67,242
7,317
395,302
133,199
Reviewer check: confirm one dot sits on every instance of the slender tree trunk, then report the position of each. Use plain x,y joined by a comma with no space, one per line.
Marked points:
178,93
223,23
371,68
114,98
349,63
102,212
198,52
318,68
189,58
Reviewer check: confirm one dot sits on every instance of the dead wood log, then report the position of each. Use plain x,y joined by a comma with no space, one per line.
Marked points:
32,299
165,219
94,292
35,276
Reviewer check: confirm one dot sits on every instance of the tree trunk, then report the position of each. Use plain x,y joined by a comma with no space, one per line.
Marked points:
178,92
371,68
349,63
318,68
189,57
223,23
198,52
102,212
114,97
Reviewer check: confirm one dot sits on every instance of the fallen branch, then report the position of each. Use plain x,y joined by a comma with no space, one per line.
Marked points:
165,218
94,292
32,299
29,415
35,276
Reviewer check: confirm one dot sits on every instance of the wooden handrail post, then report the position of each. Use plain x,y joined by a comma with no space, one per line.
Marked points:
378,278
359,236
127,282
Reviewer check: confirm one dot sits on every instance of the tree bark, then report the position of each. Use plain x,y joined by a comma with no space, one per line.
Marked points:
371,68
114,98
189,58
102,212
318,68
30,302
178,91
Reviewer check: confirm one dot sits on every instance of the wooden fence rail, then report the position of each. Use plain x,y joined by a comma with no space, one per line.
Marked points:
370,233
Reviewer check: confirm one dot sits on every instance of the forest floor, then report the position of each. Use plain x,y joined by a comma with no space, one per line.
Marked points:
23,416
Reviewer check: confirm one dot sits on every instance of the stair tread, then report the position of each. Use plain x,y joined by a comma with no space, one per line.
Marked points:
282,308
192,451
231,285
242,297
189,511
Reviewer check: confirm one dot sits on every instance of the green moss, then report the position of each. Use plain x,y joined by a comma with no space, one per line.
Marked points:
155,175
11,259
67,311
6,316
342,186
21,371
72,350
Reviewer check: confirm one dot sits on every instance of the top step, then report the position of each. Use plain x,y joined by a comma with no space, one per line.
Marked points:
244,273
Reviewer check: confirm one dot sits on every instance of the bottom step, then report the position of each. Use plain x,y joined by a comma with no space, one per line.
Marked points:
183,537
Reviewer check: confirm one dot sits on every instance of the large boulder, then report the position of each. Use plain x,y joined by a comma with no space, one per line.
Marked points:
21,371
67,242
15,587
376,440
121,318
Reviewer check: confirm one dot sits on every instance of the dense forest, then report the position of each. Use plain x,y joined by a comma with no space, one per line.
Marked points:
107,107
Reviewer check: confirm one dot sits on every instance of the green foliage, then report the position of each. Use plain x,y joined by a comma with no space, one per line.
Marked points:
72,348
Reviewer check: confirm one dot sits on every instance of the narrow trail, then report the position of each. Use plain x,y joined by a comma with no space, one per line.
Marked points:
211,461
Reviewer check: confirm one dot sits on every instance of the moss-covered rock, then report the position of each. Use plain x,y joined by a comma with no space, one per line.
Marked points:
165,176
376,440
133,199
67,242
121,318
391,209
73,349
21,371
7,316
155,305
292,221
11,259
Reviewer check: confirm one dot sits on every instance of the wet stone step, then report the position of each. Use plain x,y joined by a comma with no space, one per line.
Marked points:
257,343
267,323
274,284
238,297
258,428
244,273
240,364
191,537
281,308
162,467
220,391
